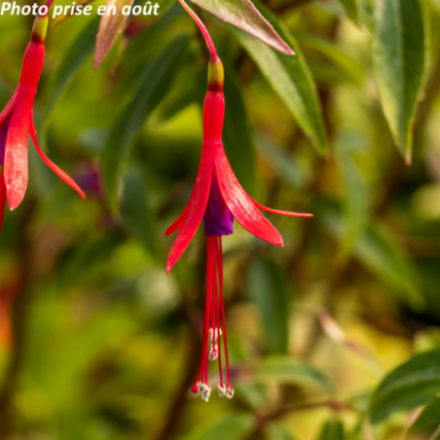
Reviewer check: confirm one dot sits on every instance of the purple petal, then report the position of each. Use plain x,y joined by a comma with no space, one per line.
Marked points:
3,133
218,219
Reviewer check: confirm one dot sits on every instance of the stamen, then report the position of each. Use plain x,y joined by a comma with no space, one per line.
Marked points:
220,275
214,326
229,392
206,392
221,390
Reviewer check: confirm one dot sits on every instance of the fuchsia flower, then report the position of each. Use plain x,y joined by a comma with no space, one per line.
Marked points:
16,123
218,199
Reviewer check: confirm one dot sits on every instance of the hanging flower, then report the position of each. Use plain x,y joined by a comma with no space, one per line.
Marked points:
17,122
218,199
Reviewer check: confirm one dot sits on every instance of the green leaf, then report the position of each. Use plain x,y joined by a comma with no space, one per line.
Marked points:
237,135
233,426
384,256
268,289
75,57
400,40
136,212
351,8
244,15
288,168
284,369
88,257
410,385
349,66
154,85
436,4
291,79
427,425
276,431
332,430
110,26
379,252
356,204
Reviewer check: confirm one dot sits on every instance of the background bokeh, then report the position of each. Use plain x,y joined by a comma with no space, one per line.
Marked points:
98,342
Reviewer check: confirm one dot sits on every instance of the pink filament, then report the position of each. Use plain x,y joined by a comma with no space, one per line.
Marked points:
213,308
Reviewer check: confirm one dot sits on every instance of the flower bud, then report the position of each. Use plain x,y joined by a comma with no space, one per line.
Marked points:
39,29
216,75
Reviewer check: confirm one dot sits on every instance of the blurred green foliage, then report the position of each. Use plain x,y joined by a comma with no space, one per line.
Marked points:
97,342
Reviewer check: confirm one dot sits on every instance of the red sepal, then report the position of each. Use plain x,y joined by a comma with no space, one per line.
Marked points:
240,204
177,224
16,150
277,211
57,170
195,209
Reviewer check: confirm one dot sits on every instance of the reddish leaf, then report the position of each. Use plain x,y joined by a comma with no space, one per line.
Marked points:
244,15
110,27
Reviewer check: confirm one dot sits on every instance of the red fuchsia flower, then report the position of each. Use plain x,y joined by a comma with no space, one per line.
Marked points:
17,123
218,199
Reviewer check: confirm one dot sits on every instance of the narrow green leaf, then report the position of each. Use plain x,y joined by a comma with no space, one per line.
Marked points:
244,15
291,79
75,57
284,369
355,206
379,252
410,385
349,66
436,4
237,136
89,256
110,26
268,289
427,425
276,431
233,426
136,212
384,256
154,85
351,8
332,430
400,40
112,23
288,168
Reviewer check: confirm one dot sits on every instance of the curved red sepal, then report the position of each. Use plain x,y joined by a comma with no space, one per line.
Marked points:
57,170
16,151
177,223
279,212
240,204
195,208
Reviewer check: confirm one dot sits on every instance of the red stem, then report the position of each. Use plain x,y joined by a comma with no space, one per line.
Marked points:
202,28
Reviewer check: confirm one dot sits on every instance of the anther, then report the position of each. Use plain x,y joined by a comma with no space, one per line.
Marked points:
230,392
206,392
221,390
213,353
214,334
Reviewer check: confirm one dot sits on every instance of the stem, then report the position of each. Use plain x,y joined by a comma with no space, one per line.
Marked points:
202,28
